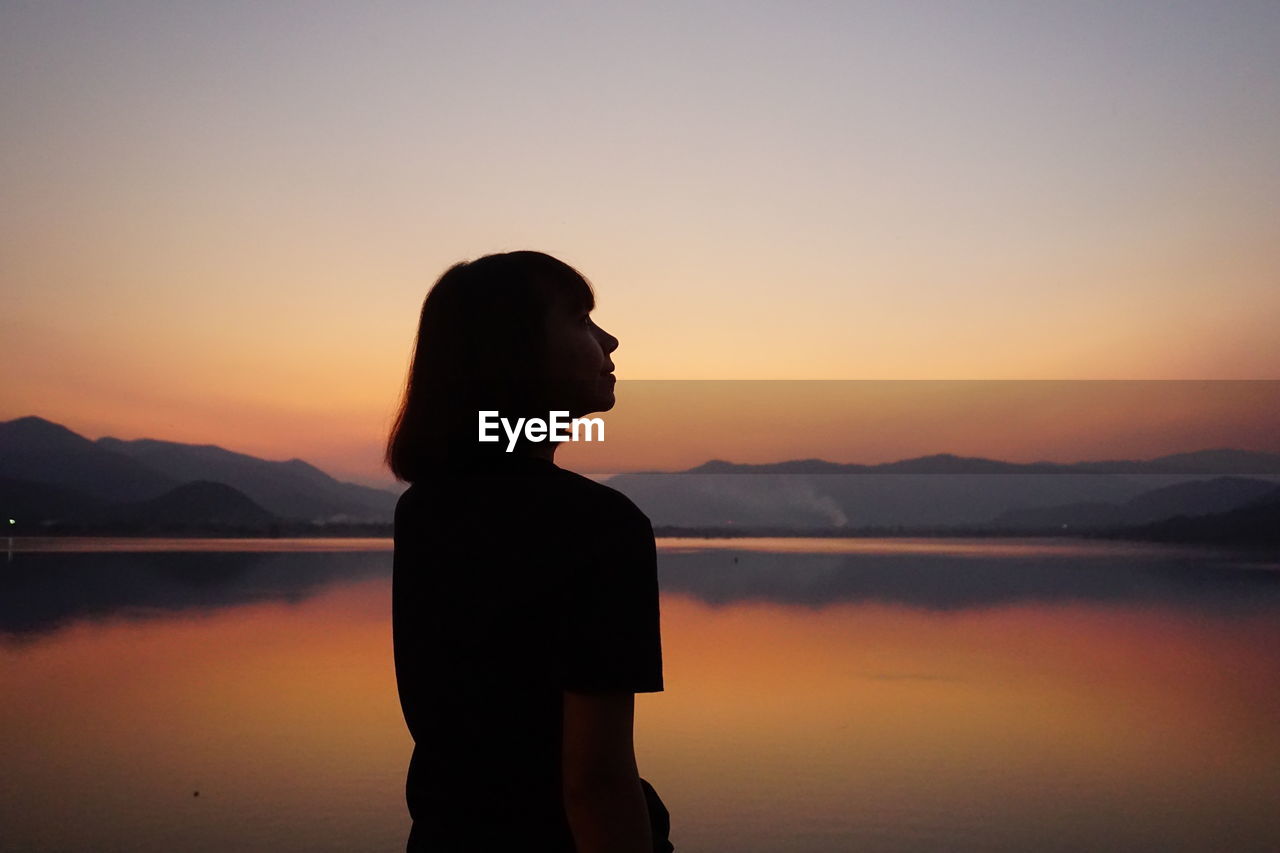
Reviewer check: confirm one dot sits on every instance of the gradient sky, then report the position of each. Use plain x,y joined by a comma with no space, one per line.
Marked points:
220,219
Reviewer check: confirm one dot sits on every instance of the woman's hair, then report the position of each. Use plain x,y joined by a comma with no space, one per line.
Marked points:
480,345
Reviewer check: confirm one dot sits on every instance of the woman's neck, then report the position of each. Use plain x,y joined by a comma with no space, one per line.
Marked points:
539,450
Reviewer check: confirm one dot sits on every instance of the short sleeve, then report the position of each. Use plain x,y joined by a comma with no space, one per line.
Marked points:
610,635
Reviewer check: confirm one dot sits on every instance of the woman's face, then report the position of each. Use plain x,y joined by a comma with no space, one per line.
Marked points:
578,368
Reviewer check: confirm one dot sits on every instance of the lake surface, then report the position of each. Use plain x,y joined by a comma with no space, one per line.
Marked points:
821,695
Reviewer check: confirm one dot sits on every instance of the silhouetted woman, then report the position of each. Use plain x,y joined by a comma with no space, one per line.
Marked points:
525,596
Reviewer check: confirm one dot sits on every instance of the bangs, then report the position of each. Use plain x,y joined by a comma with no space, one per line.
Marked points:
579,293
562,283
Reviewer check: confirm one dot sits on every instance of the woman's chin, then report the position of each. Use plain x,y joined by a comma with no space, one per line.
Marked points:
602,404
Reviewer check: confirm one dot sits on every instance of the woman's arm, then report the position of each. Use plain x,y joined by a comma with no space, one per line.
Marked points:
603,799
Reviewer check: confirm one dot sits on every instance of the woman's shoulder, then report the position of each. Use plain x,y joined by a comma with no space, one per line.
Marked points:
601,498
561,488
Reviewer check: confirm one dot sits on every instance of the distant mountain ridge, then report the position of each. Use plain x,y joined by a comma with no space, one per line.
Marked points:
1256,523
34,449
197,502
49,471
944,490
1222,461
1199,497
290,489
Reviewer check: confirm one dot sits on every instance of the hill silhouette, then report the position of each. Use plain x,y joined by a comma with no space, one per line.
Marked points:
1256,523
53,480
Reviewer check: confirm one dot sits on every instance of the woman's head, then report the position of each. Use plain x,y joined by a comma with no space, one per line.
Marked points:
508,333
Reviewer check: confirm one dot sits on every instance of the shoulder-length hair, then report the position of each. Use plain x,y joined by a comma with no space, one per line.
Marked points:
480,346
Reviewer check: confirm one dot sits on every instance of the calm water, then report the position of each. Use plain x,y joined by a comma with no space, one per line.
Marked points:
822,695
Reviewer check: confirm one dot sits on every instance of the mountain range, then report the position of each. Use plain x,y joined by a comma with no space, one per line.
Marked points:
950,491
49,472
53,480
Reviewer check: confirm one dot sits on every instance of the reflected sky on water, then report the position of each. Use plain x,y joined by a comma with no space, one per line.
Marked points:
962,695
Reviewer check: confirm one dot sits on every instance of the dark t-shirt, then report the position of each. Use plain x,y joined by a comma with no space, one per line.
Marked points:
514,579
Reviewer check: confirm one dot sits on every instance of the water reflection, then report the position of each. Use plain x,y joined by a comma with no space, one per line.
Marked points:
893,699
42,591
941,581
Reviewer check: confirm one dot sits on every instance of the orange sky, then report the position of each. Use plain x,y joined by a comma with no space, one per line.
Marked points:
235,252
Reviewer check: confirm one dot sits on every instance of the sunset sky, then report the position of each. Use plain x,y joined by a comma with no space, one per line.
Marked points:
220,219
